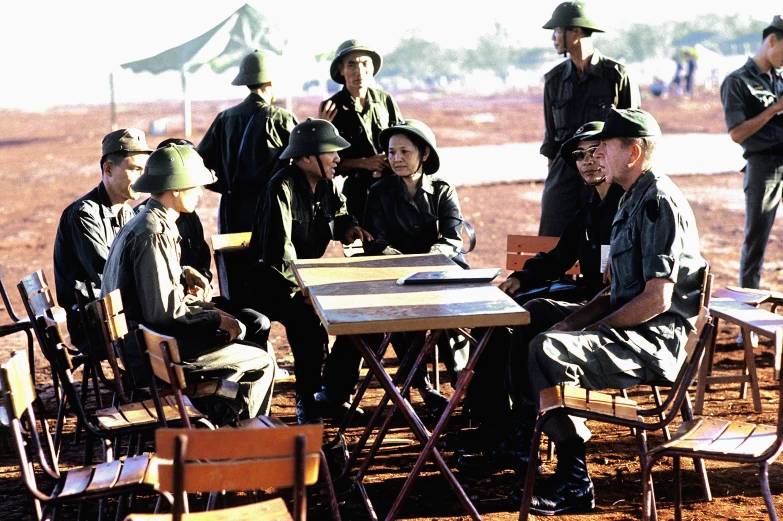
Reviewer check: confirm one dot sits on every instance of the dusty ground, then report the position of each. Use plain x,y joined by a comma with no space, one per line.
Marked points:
48,160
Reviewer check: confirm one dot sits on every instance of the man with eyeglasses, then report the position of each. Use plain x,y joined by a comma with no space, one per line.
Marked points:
632,334
582,88
585,239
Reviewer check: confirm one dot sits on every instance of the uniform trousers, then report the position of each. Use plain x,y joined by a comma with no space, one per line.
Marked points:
588,359
763,188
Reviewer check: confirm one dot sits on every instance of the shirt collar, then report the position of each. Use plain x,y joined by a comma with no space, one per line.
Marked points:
635,194
169,225
344,97
592,67
255,98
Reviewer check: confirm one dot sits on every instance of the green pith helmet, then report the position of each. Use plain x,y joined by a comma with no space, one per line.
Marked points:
346,48
572,14
313,137
254,69
416,131
583,133
173,167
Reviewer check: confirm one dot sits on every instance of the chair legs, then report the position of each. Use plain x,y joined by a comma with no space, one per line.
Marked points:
765,492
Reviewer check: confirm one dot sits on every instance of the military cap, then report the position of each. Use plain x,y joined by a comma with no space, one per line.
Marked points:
586,132
173,167
255,69
313,137
416,131
124,139
572,14
777,23
628,123
346,48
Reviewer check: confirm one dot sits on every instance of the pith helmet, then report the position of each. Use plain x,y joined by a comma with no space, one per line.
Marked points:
255,69
572,14
124,139
173,167
313,137
346,48
777,23
583,133
416,131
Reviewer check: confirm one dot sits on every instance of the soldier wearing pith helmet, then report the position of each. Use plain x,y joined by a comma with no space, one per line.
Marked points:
360,111
301,214
144,265
243,144
584,87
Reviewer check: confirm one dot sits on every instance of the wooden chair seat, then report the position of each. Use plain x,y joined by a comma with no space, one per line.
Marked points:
113,477
717,438
271,510
586,400
143,413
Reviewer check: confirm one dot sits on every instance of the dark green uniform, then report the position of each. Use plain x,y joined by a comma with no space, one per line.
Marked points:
569,102
261,132
361,126
295,223
653,236
745,93
86,230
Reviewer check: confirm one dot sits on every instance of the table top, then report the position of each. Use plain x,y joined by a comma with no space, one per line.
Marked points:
359,295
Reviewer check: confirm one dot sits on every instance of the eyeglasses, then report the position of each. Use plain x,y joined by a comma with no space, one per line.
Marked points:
579,154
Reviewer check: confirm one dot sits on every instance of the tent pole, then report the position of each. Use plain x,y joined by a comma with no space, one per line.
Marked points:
186,111
112,103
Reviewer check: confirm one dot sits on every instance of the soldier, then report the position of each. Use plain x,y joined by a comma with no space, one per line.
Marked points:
582,88
631,336
301,214
243,144
144,264
752,99
359,112
88,226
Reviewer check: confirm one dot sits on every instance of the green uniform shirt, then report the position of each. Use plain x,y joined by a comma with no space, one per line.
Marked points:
295,223
745,93
654,235
428,222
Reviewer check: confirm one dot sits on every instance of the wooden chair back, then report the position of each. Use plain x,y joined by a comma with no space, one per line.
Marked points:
201,460
520,248
231,256
166,365
38,301
105,318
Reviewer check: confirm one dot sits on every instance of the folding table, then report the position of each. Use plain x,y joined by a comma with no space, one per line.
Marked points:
360,295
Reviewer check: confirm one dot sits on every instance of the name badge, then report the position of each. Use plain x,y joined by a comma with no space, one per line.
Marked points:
604,256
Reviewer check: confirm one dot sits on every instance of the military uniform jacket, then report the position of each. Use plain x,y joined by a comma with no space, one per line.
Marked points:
581,241
654,236
87,228
571,101
428,222
265,138
144,265
745,93
361,125
295,223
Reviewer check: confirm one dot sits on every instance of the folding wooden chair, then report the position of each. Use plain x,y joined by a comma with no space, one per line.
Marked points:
617,410
77,485
17,325
231,257
236,460
721,440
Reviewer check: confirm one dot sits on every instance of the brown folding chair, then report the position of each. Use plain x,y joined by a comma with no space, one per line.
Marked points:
231,256
75,486
17,325
617,410
236,460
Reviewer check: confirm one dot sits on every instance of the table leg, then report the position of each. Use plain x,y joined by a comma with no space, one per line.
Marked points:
467,375
416,426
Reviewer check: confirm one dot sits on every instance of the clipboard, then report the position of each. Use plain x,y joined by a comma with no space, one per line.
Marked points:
450,277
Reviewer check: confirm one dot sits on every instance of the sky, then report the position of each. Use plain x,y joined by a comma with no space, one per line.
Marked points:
57,52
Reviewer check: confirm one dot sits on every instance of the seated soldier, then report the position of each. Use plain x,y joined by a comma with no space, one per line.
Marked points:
144,264
301,213
88,226
633,334
584,239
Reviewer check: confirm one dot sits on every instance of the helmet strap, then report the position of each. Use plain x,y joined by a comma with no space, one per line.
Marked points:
320,166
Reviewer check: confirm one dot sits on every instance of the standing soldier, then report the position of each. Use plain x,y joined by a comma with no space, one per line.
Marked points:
582,88
359,112
244,143
752,99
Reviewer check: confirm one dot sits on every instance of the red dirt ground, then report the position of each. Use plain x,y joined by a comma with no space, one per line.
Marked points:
48,160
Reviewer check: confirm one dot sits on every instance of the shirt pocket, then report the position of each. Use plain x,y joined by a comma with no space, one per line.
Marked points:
626,264
300,227
598,107
560,115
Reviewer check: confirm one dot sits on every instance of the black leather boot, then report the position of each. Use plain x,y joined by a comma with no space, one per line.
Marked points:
335,409
568,490
510,451
307,410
